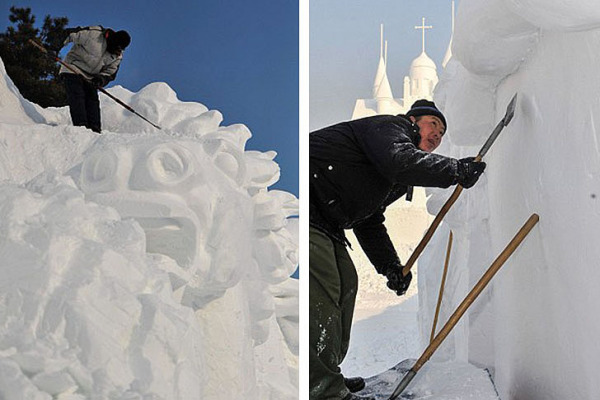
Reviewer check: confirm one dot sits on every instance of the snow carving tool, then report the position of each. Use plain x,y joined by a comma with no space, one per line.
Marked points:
441,294
70,68
466,303
510,112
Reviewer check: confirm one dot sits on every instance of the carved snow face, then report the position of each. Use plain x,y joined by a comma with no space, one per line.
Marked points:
150,184
184,194
187,194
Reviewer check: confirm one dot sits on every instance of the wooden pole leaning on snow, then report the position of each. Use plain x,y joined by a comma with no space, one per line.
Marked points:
466,303
441,294
510,112
70,68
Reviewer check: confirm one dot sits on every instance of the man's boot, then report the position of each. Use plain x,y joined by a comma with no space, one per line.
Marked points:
355,384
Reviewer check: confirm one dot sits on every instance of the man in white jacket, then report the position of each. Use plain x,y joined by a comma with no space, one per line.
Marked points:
95,55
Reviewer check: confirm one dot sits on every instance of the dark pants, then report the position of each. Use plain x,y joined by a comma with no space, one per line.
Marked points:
333,283
84,104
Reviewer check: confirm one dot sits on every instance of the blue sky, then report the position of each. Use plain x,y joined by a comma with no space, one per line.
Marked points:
238,57
344,49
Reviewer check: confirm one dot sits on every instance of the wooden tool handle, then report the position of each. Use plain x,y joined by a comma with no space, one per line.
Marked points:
477,289
442,284
431,230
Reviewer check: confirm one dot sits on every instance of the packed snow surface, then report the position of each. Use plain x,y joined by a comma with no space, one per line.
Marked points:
142,263
532,327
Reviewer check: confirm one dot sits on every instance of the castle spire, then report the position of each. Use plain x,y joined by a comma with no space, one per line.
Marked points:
381,40
381,74
448,54
385,56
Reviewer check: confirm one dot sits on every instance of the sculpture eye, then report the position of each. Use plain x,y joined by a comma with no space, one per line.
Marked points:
98,172
226,156
170,164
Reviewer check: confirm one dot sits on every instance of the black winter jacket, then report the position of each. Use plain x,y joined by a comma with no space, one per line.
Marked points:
358,168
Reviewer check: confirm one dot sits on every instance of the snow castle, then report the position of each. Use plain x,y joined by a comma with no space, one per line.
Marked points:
419,84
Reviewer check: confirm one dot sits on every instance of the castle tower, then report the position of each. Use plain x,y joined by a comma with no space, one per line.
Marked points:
383,101
422,76
384,96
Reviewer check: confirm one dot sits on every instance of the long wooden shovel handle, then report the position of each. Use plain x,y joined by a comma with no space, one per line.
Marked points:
431,230
442,284
434,225
462,308
478,288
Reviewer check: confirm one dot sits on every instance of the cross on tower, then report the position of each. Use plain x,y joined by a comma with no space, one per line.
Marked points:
423,27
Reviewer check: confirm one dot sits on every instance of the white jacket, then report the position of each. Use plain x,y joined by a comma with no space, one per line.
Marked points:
88,54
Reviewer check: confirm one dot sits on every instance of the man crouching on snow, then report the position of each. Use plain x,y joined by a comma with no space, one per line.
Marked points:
357,169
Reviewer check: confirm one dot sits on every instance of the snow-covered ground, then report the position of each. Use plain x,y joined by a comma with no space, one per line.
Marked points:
142,263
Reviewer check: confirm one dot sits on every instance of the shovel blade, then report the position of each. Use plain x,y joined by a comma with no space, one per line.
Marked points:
510,110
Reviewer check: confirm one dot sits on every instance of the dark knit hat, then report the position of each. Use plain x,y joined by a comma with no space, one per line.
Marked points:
117,41
122,39
426,107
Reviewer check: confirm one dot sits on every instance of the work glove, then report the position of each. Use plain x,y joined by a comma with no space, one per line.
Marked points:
396,281
99,80
469,171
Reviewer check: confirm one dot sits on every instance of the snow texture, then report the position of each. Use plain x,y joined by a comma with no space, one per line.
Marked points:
142,263
533,327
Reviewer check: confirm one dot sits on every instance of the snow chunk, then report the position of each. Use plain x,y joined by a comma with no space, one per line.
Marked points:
490,39
460,90
570,15
80,307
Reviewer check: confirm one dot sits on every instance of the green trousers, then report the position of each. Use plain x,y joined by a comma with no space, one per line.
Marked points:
333,283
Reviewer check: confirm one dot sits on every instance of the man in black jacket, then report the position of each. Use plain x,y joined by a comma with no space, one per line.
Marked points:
357,169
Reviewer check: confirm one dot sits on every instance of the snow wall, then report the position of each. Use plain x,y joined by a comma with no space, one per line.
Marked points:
535,327
142,263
